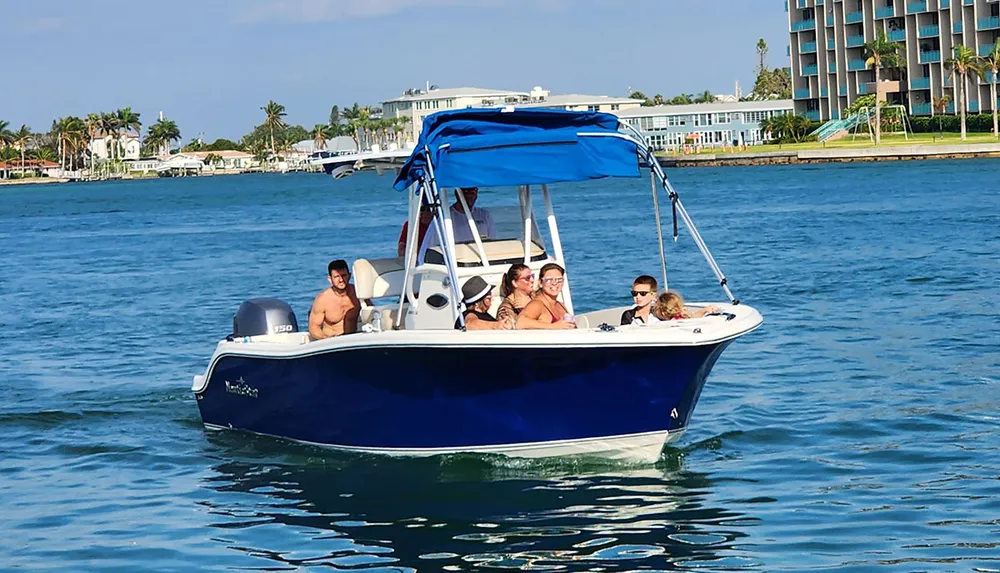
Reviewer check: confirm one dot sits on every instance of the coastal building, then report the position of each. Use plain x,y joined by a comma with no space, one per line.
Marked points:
129,147
418,104
230,160
704,125
827,40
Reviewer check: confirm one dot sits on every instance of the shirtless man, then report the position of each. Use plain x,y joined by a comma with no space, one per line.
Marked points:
335,310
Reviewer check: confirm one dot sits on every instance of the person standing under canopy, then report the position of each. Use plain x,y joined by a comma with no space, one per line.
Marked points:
460,225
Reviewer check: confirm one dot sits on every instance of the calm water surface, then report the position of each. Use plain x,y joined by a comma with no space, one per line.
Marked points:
857,431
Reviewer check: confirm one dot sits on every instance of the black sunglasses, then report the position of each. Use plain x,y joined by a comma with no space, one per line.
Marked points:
641,292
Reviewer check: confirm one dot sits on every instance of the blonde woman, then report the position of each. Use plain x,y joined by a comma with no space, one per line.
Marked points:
670,306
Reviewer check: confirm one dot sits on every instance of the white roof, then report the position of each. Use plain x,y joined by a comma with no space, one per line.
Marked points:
579,99
455,93
718,107
337,144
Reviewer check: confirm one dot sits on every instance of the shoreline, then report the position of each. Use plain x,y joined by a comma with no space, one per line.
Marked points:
837,155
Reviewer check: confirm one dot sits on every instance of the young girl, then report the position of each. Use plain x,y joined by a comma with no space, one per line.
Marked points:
670,306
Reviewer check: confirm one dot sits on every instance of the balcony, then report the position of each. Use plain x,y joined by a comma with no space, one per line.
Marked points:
928,31
886,12
989,23
854,17
802,93
803,25
856,65
920,83
831,44
956,28
985,50
807,48
812,115
897,35
920,109
810,70
930,56
855,41
914,7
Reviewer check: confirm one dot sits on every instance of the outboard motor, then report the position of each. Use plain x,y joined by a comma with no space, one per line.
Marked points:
259,316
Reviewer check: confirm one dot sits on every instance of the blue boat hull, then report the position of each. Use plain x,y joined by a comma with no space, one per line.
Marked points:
396,397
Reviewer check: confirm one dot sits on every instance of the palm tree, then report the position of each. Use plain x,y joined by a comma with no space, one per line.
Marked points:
881,53
353,116
128,120
705,97
109,129
43,154
762,53
21,138
162,133
93,125
991,67
940,105
335,116
320,134
963,62
7,155
275,113
6,137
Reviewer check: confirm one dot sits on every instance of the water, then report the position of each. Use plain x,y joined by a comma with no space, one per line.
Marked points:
856,431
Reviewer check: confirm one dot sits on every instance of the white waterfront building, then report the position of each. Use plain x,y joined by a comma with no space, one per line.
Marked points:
418,104
706,125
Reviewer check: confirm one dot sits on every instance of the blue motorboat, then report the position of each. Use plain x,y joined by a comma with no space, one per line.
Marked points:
402,384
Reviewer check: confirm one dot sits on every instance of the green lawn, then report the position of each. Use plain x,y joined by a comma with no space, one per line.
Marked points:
863,141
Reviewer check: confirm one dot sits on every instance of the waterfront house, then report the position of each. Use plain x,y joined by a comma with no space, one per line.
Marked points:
129,147
228,160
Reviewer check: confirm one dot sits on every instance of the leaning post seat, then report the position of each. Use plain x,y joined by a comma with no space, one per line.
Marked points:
378,278
498,252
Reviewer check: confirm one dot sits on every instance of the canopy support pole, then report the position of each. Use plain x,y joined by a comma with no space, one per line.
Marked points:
526,217
679,207
659,227
442,223
550,215
473,228
411,251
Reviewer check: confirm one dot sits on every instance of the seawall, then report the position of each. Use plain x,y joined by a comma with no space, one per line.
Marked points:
837,155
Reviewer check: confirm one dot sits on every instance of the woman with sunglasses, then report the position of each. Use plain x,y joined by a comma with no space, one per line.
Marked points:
644,295
545,312
517,290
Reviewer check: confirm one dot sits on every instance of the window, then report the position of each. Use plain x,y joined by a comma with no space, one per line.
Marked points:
722,118
660,122
615,107
593,108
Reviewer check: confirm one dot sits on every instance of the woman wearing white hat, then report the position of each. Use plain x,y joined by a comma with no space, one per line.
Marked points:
477,296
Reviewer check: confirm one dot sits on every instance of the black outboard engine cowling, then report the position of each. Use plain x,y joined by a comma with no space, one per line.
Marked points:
259,316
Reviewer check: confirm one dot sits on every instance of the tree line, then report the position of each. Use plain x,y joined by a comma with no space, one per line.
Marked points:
70,139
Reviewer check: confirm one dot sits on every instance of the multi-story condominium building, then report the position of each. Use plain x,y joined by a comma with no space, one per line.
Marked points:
827,51
669,127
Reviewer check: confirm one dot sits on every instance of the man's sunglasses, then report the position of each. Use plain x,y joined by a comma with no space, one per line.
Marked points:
636,293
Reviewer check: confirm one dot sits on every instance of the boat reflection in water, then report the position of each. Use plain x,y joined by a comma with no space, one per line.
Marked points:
374,513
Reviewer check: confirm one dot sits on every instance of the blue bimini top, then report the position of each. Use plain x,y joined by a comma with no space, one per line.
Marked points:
496,147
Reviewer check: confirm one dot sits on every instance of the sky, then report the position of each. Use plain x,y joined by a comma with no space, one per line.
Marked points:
210,65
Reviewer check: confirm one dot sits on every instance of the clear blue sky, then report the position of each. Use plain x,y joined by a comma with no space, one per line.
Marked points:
211,64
